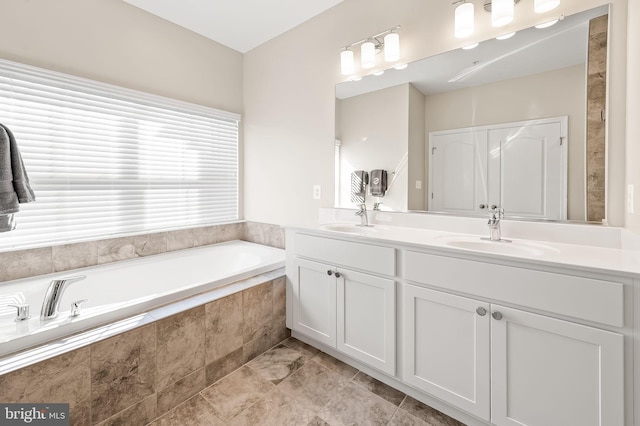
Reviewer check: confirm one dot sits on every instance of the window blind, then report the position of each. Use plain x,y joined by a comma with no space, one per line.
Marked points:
105,160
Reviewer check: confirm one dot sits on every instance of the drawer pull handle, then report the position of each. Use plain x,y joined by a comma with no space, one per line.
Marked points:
481,311
497,315
329,272
338,274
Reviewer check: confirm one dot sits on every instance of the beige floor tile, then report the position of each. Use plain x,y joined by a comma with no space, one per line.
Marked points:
236,392
193,412
430,415
313,385
384,391
336,365
306,350
275,409
353,405
277,363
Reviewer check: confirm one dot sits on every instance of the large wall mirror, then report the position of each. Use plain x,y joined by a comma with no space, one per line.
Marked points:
517,123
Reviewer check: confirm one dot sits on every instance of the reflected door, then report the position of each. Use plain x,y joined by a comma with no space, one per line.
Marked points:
458,172
527,170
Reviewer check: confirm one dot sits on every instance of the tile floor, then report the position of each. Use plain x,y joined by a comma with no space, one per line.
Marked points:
296,384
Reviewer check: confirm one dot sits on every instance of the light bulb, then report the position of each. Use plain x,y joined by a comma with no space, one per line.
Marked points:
541,6
505,36
464,20
547,24
391,47
368,54
470,46
501,12
346,62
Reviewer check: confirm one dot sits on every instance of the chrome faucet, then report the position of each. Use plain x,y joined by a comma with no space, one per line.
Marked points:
495,216
54,294
364,220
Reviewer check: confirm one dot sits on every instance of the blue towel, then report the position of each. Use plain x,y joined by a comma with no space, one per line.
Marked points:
14,182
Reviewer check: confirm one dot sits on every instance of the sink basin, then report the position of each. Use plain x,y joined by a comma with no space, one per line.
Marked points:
349,228
517,248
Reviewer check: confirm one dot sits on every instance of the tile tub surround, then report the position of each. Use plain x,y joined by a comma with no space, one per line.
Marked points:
136,376
45,260
296,384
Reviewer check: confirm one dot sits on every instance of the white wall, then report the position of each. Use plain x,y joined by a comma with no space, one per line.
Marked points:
633,112
289,95
374,133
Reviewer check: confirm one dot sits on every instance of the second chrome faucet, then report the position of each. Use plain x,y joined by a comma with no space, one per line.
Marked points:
53,296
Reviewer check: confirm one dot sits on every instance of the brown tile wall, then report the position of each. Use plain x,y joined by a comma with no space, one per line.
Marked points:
141,374
32,262
596,127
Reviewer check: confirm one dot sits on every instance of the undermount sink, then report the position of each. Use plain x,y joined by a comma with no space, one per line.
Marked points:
349,228
518,247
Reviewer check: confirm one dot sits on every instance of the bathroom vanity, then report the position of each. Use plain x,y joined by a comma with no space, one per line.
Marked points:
524,333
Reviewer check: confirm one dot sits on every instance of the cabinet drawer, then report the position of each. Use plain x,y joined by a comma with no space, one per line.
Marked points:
585,298
366,257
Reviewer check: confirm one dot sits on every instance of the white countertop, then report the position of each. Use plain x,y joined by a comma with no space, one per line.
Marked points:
576,256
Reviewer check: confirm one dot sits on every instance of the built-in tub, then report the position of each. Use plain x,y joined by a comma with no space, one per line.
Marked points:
124,289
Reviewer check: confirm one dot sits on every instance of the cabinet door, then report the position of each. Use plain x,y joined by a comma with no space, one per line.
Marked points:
446,348
314,301
547,372
366,319
458,171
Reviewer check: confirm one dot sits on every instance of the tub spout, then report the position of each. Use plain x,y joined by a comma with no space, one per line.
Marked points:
54,294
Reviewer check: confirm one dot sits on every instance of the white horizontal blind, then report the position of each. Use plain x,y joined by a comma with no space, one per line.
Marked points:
105,160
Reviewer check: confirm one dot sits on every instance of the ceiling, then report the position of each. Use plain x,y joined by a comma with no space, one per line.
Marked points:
238,24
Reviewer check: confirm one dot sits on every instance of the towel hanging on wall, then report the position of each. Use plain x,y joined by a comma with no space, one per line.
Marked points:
359,181
378,184
14,182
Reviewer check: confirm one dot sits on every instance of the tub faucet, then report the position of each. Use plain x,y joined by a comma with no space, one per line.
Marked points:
54,294
495,215
364,220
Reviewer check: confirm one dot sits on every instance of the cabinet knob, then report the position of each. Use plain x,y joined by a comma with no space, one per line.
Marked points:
493,207
481,311
497,315
338,274
329,272
482,206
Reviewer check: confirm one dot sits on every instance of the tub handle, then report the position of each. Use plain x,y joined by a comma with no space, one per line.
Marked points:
76,307
23,312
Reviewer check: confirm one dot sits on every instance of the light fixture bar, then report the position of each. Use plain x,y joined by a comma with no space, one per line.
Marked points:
375,36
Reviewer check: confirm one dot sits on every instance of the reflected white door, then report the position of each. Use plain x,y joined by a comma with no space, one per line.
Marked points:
527,170
458,172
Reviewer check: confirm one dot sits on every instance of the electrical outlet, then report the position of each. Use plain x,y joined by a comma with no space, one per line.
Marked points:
317,192
630,195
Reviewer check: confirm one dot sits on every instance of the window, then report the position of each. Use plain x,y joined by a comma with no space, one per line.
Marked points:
105,160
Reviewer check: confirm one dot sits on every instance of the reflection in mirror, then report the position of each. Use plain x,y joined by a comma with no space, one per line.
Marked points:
516,123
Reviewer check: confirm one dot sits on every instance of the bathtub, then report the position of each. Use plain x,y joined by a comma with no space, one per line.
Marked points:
120,290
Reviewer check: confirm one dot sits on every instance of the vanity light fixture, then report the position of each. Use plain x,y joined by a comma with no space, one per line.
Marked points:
464,19
502,13
470,46
388,40
506,36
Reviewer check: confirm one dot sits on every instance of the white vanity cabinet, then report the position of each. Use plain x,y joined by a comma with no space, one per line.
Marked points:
509,366
504,341
503,365
338,302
